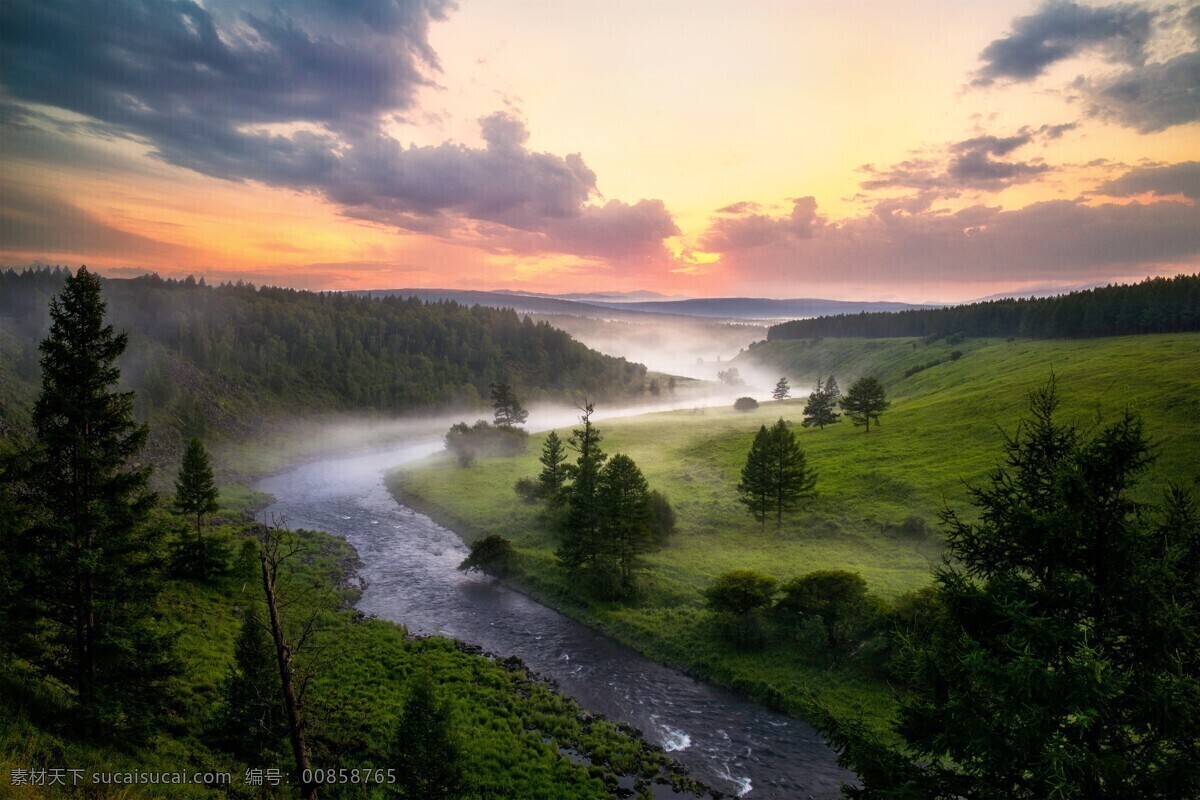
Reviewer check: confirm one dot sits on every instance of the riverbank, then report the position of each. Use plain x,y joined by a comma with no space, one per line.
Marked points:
879,498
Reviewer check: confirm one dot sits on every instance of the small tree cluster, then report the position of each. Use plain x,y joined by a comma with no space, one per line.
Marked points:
503,437
776,477
821,409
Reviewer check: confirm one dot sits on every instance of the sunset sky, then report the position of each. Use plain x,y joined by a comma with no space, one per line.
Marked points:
915,151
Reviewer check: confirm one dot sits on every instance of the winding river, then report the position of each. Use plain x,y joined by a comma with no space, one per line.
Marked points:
409,563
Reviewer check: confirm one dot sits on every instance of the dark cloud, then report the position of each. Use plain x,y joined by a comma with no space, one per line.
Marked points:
1058,240
295,95
972,164
1150,98
1061,29
1182,178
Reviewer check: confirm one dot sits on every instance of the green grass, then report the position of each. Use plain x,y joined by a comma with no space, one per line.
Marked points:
519,738
880,494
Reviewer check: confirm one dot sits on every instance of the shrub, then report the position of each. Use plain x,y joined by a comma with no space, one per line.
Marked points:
664,515
739,598
492,554
839,599
529,490
745,404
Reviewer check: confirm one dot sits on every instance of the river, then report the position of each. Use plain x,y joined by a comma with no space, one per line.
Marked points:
409,563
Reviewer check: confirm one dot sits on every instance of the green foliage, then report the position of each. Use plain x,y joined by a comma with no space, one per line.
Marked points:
554,474
425,748
626,523
481,440
745,404
865,401
249,721
1156,305
664,516
739,598
509,411
528,489
821,408
196,495
776,477
1066,660
838,598
492,554
580,549
95,577
782,389
236,348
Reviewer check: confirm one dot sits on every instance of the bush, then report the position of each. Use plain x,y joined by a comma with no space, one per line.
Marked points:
529,490
745,404
738,598
956,355
483,440
664,515
839,599
492,554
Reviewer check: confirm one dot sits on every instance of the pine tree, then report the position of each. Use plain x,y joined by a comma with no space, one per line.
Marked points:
98,577
820,410
580,546
791,481
865,401
250,718
509,412
1065,658
782,389
831,389
196,490
754,490
425,751
626,521
553,476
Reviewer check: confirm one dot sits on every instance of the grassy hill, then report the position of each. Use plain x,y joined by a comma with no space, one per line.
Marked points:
880,493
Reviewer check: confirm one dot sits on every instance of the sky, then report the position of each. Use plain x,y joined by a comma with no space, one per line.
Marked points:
895,150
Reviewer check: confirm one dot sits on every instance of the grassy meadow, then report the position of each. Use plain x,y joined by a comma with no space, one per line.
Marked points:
879,498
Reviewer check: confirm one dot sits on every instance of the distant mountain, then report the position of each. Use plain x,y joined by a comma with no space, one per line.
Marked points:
607,297
589,305
762,308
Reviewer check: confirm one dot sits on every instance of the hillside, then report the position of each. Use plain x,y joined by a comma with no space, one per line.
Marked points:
879,494
211,360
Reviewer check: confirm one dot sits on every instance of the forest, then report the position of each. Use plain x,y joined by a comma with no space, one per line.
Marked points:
1156,305
193,344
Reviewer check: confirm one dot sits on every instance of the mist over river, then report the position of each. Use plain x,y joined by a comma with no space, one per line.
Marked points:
409,563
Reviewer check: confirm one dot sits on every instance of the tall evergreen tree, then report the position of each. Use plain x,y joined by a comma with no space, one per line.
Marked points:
626,522
782,389
580,545
509,411
553,477
250,719
195,489
754,490
832,389
1065,660
425,751
792,482
98,576
865,401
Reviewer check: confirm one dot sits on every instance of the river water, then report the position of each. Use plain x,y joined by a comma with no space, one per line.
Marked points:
409,563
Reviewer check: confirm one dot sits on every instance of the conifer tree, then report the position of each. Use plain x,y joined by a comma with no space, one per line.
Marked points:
553,476
250,718
782,390
1064,660
626,522
820,410
831,389
509,411
580,545
425,751
754,490
776,477
792,482
98,574
865,401
195,489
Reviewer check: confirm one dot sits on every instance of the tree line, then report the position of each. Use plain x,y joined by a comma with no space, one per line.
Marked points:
311,350
1156,305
